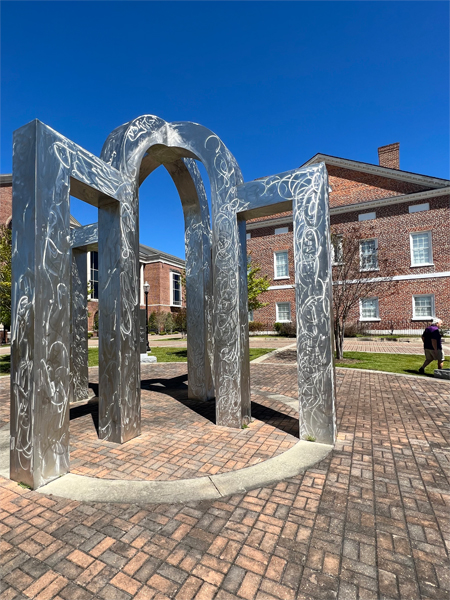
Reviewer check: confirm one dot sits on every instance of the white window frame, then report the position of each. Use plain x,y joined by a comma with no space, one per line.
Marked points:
367,319
90,281
275,264
248,236
278,320
250,316
172,273
377,268
280,230
340,240
430,255
421,318
370,216
141,284
413,208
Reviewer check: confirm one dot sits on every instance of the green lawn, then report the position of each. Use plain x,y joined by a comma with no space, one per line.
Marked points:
392,363
4,364
162,354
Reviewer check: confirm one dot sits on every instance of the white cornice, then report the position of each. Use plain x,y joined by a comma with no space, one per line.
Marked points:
360,206
281,287
425,180
336,210
270,222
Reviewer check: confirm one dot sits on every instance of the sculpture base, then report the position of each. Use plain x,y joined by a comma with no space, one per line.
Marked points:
442,373
145,358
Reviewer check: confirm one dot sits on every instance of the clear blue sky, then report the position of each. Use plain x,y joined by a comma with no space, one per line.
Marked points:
277,81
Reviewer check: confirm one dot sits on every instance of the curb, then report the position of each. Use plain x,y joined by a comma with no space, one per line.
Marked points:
90,489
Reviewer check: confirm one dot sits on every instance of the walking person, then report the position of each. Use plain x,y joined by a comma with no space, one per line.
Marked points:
432,345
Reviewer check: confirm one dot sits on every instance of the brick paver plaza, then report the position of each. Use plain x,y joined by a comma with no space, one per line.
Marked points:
370,521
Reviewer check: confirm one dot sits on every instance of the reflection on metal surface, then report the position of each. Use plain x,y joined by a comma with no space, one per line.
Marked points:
49,278
79,340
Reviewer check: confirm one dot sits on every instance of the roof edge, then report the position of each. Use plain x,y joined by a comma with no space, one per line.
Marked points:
354,165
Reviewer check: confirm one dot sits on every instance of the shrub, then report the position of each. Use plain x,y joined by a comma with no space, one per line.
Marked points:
288,329
256,326
351,330
277,327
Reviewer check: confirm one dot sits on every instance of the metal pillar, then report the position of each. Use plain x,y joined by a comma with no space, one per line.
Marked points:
305,192
40,340
313,292
119,358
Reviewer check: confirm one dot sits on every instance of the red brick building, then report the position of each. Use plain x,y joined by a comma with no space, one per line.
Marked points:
162,271
403,217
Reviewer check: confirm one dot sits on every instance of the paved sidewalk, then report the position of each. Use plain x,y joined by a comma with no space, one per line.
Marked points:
368,522
355,345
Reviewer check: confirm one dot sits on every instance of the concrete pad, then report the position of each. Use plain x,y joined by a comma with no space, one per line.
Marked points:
91,489
88,489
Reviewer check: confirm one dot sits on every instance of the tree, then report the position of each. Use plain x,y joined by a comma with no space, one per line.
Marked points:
5,276
355,257
256,285
180,319
160,320
152,325
169,323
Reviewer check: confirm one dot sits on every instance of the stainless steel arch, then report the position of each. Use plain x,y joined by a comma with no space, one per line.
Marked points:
138,145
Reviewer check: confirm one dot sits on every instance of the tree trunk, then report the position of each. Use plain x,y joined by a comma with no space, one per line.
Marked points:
339,340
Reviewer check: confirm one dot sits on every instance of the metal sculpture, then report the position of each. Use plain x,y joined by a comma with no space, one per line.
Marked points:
49,367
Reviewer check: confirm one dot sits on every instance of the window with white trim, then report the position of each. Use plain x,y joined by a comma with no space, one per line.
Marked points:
176,288
94,276
368,309
250,316
283,312
419,207
279,230
421,253
368,255
281,264
423,306
248,236
337,249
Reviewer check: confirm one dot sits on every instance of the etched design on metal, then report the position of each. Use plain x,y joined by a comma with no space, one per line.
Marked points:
49,277
305,191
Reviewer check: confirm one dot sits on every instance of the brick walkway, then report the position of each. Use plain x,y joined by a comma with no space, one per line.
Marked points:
368,522
179,439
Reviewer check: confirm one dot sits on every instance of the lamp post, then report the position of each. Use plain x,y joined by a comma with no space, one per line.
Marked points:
146,290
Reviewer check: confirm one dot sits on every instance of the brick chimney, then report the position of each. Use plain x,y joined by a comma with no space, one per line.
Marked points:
389,156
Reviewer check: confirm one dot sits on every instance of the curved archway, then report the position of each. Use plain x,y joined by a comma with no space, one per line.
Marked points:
136,149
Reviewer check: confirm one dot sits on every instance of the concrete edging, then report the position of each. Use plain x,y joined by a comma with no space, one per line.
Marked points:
90,489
